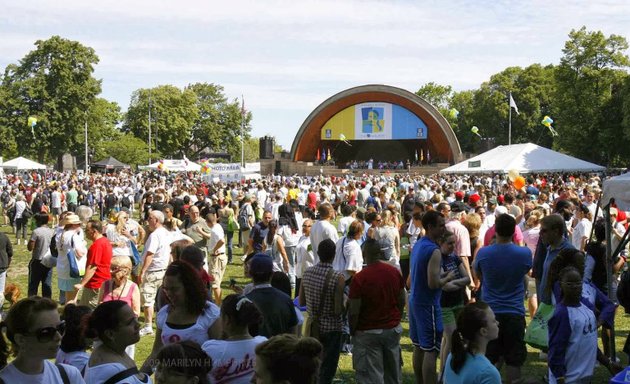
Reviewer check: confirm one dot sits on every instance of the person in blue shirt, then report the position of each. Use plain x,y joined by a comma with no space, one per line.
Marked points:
572,334
502,268
552,230
467,363
425,315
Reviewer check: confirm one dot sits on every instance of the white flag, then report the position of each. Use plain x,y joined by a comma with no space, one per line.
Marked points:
513,104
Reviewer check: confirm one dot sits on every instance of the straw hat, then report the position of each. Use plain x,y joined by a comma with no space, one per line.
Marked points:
71,219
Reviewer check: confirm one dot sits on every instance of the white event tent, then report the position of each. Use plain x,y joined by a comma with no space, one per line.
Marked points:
172,165
618,187
22,163
525,158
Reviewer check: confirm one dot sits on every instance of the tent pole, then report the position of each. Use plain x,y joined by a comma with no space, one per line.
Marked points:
609,274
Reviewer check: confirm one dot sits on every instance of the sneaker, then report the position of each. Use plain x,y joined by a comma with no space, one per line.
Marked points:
146,330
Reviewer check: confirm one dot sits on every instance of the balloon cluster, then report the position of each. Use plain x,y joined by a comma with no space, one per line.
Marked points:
162,166
517,180
547,121
205,167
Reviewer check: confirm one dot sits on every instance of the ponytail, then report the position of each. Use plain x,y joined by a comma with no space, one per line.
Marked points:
469,322
458,351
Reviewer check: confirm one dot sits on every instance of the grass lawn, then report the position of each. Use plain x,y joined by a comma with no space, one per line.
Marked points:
533,368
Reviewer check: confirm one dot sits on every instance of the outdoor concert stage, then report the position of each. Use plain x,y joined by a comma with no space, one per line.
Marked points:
375,123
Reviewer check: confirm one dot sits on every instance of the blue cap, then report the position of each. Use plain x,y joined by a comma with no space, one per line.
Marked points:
261,263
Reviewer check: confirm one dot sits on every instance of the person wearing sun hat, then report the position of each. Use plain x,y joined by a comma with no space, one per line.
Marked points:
71,238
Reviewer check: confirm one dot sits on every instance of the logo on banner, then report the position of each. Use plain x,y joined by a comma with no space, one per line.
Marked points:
373,121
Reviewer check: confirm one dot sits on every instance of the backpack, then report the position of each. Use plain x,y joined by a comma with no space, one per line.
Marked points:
243,218
126,201
623,290
53,246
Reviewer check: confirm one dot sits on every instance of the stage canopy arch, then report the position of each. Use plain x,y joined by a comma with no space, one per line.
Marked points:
379,122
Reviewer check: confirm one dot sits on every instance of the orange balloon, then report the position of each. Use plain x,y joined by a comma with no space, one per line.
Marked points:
519,182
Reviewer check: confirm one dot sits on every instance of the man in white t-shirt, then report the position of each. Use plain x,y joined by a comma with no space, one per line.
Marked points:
55,205
157,254
216,249
323,229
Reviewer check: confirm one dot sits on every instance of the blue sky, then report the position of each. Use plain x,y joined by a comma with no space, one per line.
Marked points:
286,57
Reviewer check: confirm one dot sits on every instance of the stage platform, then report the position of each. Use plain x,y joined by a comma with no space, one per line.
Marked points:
286,167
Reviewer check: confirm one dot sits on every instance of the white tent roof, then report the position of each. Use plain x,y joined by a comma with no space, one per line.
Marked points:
22,163
183,165
524,158
618,188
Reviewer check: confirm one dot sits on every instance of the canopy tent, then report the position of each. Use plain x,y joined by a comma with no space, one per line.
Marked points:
171,165
110,163
618,188
525,158
22,163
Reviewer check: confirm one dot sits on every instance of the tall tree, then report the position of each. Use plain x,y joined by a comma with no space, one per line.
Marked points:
173,114
437,95
591,67
54,83
218,125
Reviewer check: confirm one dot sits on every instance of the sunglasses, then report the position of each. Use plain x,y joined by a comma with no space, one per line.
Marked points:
47,334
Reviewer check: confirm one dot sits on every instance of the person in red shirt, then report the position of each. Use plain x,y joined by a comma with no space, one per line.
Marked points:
99,260
377,300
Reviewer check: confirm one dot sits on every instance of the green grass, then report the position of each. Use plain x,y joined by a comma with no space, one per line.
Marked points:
534,367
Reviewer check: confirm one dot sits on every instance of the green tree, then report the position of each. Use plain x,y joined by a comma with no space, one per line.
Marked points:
437,95
128,149
55,83
591,67
252,149
102,121
218,124
173,114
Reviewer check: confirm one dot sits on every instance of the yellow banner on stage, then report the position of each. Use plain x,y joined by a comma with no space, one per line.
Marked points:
340,124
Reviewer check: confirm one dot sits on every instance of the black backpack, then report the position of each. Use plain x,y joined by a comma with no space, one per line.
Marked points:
53,246
623,291
126,201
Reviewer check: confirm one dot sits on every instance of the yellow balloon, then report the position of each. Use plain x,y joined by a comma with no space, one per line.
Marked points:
513,174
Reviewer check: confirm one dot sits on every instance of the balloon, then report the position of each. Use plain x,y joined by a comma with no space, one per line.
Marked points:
342,136
32,120
519,182
475,130
513,174
547,121
453,113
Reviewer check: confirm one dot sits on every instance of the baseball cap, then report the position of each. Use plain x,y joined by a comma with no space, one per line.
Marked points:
261,263
500,210
458,206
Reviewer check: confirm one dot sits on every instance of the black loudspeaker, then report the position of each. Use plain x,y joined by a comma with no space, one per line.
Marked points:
265,146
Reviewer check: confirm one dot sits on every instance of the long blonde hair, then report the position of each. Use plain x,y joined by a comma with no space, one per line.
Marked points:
120,225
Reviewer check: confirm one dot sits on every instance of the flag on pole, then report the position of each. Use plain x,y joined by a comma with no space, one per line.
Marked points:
329,157
513,104
421,155
318,156
428,156
416,155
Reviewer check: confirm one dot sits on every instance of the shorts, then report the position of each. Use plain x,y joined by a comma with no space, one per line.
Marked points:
219,263
150,285
67,285
449,314
531,287
56,211
425,327
89,297
510,344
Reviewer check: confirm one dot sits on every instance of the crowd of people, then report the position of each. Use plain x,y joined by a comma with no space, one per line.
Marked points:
460,257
